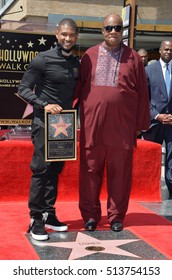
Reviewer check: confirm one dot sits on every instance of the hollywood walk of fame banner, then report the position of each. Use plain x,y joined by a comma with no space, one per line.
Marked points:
17,49
60,136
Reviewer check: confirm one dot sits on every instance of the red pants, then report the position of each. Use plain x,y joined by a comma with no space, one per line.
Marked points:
119,175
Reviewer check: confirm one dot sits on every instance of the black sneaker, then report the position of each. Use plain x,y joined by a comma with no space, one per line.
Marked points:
37,230
53,223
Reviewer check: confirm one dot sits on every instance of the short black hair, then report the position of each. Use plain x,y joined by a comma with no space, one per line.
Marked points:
69,22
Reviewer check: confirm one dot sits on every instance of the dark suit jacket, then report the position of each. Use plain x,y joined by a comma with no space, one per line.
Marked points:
159,101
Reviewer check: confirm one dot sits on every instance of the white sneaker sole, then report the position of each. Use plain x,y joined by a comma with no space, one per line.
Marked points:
61,228
39,237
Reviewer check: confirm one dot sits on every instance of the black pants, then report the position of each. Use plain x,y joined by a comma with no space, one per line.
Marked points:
158,134
44,180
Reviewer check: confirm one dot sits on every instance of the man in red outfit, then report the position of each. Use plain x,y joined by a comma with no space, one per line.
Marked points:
114,107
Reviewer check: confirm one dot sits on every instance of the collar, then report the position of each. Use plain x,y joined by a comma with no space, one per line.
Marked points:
63,52
110,49
164,63
66,53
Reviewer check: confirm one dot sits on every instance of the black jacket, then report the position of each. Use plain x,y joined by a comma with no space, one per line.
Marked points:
51,78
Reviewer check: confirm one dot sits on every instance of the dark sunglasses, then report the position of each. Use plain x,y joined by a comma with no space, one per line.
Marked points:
109,28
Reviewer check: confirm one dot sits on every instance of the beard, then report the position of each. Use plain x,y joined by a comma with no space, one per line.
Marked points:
63,49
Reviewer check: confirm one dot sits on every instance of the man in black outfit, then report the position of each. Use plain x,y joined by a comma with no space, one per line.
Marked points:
48,84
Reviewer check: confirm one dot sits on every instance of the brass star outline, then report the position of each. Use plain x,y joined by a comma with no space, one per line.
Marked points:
84,241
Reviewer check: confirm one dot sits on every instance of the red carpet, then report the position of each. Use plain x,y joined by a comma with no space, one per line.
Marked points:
154,230
151,228
15,173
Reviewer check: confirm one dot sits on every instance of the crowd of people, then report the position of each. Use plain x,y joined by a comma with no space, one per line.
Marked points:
119,96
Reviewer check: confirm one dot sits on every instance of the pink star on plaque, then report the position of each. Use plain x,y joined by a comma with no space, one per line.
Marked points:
60,127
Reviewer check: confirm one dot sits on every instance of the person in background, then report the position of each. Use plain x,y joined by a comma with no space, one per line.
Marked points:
151,61
48,84
160,91
114,107
144,56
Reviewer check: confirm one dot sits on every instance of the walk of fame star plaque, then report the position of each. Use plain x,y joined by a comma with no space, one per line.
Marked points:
60,136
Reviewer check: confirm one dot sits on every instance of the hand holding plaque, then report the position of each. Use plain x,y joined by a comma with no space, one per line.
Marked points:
60,136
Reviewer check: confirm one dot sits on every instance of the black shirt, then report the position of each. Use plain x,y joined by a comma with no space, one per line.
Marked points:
50,77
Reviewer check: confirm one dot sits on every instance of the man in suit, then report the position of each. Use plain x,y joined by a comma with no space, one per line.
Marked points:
160,90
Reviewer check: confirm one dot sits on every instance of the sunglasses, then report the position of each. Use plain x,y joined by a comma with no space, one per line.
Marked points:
109,28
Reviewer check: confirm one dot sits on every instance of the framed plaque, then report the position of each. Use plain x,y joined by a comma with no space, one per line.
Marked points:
60,136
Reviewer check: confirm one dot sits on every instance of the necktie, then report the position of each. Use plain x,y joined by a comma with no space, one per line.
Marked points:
167,79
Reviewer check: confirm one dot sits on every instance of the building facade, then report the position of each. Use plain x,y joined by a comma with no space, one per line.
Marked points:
153,24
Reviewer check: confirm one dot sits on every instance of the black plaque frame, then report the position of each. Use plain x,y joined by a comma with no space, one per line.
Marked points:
60,136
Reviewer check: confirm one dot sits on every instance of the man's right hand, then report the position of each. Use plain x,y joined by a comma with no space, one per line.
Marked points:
165,118
53,108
